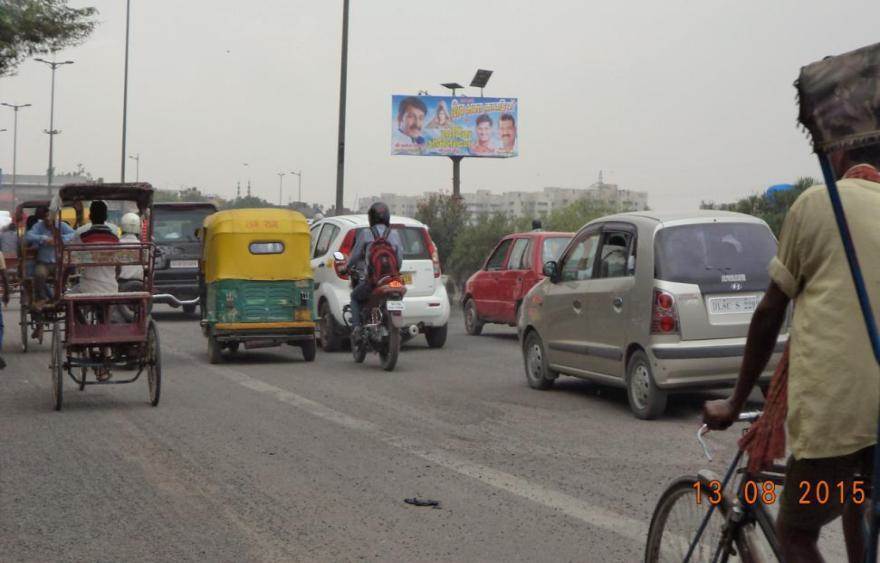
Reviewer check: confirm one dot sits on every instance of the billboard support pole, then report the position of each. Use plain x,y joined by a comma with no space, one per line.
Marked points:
456,176
340,158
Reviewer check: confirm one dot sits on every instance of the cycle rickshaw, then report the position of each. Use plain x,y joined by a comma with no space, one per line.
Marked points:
104,332
30,319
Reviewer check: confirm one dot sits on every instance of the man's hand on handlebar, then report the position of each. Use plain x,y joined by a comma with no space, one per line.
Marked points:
719,414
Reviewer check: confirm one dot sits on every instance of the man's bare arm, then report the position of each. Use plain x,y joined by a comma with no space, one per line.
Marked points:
763,332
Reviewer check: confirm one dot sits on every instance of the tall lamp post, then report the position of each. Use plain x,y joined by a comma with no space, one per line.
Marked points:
137,160
125,88
50,173
343,79
15,108
299,176
280,187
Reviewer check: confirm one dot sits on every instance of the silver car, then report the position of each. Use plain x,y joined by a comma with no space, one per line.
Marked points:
652,302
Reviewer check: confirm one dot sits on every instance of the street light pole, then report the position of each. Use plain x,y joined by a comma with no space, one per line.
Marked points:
299,176
280,188
340,158
50,173
125,87
137,161
15,108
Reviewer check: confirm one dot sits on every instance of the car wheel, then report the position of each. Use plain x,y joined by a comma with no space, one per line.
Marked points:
646,400
472,323
436,336
538,372
330,341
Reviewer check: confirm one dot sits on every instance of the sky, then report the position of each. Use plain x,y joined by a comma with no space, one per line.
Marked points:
684,100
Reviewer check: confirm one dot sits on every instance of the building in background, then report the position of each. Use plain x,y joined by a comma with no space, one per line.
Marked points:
31,186
518,204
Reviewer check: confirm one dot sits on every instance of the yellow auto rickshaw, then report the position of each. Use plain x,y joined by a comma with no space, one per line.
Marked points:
256,283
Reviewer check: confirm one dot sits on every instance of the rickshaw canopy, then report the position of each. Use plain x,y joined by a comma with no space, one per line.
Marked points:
139,192
256,244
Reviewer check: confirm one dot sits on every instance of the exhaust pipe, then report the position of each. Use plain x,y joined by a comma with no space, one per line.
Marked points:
413,330
168,299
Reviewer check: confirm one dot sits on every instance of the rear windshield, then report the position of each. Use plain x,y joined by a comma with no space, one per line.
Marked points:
178,225
553,247
719,257
414,241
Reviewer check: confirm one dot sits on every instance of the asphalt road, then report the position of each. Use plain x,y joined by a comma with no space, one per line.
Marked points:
269,458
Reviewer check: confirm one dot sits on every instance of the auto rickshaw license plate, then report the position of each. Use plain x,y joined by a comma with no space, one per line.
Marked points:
407,277
184,263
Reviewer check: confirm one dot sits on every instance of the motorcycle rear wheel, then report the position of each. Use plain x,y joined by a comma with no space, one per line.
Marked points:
391,348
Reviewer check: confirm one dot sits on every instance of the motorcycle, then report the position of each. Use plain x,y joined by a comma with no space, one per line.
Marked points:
381,317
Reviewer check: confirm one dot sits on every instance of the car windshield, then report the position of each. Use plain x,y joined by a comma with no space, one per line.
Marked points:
715,255
178,225
414,242
553,248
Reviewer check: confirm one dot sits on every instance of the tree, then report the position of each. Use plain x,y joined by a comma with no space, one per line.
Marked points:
577,214
771,207
35,27
247,202
474,242
445,216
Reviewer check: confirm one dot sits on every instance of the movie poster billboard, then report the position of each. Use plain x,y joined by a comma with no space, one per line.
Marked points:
459,126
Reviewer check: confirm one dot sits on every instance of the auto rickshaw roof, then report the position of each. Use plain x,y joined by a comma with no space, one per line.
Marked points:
139,192
263,221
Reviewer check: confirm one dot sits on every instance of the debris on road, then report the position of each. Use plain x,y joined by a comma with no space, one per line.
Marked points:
422,502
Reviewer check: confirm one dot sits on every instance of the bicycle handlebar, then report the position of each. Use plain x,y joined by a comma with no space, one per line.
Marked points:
748,416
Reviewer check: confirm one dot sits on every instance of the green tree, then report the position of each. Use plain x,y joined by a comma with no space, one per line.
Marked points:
474,242
36,27
247,202
445,216
772,208
577,214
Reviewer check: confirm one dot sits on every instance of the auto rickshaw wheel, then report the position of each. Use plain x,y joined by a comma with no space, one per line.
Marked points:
189,309
57,366
309,349
215,350
154,363
233,347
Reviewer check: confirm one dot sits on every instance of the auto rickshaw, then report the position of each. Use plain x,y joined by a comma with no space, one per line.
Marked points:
255,281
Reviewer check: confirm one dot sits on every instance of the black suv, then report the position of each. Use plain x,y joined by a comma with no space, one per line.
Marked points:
178,249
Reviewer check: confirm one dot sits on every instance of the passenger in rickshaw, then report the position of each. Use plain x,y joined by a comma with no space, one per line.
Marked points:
131,278
42,237
97,279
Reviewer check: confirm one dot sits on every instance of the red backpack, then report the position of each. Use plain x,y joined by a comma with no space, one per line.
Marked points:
383,258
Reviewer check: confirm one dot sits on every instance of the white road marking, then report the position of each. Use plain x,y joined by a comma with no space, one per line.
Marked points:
550,498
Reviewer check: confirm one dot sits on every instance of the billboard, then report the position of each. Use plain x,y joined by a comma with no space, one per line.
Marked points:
459,126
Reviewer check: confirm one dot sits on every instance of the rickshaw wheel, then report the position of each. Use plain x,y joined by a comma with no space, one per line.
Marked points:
24,327
154,363
215,350
57,366
309,349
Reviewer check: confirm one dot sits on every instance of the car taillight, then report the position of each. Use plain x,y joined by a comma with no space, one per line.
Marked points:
345,248
432,249
664,317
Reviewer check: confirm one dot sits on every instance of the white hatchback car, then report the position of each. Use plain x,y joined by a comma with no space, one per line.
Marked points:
426,305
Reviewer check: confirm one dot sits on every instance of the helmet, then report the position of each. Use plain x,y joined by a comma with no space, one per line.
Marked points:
131,223
379,214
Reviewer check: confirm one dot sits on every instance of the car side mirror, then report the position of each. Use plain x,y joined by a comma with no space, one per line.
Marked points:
338,256
551,270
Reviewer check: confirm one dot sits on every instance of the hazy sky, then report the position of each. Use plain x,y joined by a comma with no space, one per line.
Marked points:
686,100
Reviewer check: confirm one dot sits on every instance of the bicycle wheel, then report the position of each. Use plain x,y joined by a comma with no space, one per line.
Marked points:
677,519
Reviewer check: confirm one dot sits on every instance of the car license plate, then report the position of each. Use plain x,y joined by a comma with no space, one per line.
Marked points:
184,263
407,278
394,305
726,305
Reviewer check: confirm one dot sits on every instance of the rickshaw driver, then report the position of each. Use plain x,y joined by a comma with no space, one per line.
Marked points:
379,217
42,236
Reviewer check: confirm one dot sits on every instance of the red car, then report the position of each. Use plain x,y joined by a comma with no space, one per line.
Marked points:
493,294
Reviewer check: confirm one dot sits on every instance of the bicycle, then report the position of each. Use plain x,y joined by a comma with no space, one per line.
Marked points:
696,519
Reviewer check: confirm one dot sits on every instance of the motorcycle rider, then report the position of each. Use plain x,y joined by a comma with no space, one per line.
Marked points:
379,217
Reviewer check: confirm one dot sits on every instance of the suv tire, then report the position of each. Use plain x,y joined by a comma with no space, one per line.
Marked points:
538,372
436,336
472,323
646,400
330,339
